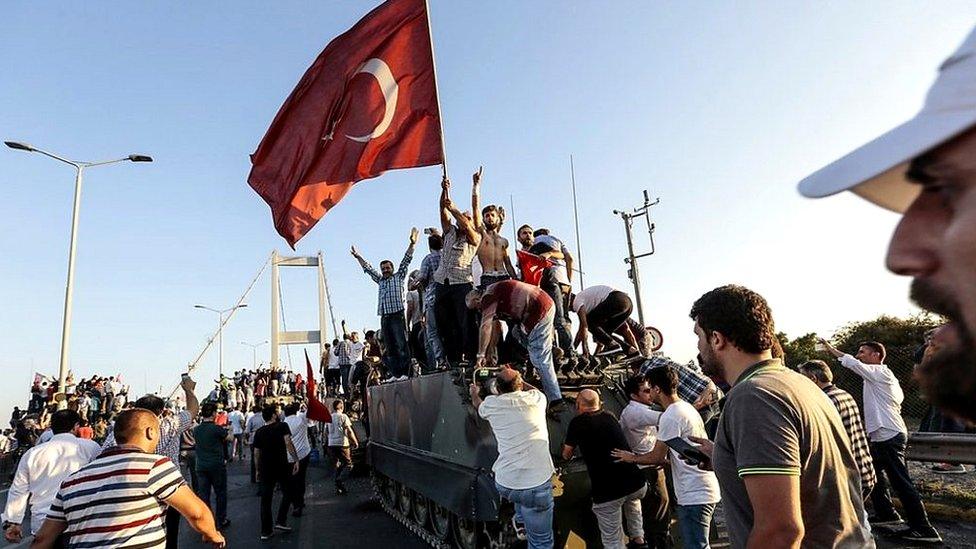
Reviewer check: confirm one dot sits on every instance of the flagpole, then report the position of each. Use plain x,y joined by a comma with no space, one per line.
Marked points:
579,248
511,202
437,93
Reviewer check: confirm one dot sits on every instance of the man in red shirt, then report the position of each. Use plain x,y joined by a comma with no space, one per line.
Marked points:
533,311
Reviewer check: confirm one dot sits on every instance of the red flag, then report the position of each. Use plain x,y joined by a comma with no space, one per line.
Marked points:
366,105
316,410
531,266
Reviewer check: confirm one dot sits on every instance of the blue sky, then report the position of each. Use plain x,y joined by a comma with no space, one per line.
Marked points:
718,109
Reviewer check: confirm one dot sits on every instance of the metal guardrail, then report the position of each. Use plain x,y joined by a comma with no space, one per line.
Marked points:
940,447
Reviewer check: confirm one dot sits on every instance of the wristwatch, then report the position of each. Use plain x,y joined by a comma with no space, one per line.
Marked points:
8,524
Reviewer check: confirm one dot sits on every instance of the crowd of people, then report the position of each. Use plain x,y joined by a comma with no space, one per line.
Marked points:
173,464
468,305
791,457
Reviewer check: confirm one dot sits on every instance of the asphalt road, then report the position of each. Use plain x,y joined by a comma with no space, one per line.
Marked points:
329,520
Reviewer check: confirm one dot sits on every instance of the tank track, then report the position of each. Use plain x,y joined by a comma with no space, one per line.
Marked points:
411,524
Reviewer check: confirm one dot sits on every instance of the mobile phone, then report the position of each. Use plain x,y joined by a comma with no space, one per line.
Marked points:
688,451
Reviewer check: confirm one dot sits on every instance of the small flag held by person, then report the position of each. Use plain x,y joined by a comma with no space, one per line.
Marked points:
366,105
316,410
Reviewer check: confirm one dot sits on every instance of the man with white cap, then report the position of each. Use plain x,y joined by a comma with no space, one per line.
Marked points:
926,169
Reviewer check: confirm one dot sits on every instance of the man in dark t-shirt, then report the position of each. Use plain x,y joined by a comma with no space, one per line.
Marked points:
616,487
781,454
272,445
211,462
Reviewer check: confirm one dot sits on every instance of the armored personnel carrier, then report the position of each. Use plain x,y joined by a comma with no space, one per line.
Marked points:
431,458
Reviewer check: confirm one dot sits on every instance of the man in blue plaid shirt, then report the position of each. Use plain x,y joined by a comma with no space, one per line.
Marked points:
693,386
390,306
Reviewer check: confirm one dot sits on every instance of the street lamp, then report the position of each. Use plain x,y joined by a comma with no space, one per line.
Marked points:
220,332
69,285
254,351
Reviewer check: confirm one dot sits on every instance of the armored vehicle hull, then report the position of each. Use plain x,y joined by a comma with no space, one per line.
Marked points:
431,458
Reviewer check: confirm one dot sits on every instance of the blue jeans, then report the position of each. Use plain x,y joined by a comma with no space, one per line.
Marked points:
533,507
540,354
432,338
394,328
693,522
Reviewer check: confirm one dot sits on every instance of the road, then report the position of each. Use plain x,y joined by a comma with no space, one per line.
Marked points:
329,520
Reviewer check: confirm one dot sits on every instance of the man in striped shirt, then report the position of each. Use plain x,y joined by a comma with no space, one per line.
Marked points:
850,414
171,429
120,499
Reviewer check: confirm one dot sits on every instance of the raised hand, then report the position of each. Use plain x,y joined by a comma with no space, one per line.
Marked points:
414,235
354,251
476,177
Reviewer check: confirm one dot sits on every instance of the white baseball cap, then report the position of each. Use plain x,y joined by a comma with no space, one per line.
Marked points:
876,170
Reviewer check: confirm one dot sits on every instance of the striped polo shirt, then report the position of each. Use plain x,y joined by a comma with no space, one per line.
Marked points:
118,500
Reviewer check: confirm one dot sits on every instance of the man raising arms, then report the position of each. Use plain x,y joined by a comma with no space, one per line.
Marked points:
390,305
493,250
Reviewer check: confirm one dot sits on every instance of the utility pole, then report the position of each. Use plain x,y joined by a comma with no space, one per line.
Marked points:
633,272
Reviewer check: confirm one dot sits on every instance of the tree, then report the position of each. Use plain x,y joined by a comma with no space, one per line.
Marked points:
889,330
799,350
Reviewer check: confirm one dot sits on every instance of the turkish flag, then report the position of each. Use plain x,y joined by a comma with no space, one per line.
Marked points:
366,105
531,266
316,410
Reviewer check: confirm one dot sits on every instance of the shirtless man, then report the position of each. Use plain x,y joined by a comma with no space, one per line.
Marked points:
496,265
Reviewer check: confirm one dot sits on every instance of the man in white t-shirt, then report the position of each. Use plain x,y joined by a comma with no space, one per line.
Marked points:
235,420
603,311
251,426
696,491
342,438
640,425
523,470
298,425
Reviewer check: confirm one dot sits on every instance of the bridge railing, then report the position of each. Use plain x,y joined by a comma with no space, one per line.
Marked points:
942,447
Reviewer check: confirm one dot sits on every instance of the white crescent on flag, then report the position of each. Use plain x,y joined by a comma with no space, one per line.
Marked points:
388,86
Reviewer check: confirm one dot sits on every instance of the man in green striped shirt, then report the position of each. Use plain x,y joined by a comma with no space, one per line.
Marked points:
781,455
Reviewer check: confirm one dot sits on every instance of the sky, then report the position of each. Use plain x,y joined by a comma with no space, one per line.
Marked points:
717,108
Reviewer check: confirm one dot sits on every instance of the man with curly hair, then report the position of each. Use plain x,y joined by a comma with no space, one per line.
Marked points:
781,454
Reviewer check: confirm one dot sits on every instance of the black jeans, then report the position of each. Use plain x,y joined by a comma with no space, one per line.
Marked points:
609,315
214,480
456,324
173,518
394,328
269,479
298,483
889,461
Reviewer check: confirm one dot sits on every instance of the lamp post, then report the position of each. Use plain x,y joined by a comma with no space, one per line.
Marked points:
220,332
69,285
254,351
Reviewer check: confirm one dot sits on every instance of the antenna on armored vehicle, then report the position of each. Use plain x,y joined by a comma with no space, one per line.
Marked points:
633,272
